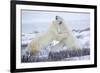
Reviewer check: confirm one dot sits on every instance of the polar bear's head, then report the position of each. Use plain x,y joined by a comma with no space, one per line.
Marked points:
59,20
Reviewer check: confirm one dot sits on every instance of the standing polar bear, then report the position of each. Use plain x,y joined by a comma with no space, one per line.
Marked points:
57,31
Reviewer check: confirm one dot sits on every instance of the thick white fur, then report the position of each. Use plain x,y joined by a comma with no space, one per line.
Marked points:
57,31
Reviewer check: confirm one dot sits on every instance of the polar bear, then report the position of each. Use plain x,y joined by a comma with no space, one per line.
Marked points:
57,31
65,35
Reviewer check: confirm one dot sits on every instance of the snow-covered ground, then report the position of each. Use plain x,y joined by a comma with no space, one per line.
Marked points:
82,37
37,22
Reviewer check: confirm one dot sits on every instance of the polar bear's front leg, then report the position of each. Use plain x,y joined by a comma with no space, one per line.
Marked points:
61,36
70,43
68,40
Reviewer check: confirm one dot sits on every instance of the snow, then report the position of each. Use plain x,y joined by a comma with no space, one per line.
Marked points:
37,22
87,57
82,37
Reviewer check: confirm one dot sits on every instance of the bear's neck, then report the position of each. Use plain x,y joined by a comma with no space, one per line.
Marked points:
46,39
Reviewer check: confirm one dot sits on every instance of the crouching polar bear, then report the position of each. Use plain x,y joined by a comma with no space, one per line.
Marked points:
57,31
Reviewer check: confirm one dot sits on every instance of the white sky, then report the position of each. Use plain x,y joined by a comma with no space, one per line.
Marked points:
39,20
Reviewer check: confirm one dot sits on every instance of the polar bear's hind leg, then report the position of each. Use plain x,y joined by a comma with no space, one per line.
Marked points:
33,46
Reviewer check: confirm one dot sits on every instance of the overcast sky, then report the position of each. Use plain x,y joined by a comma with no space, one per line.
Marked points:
40,20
